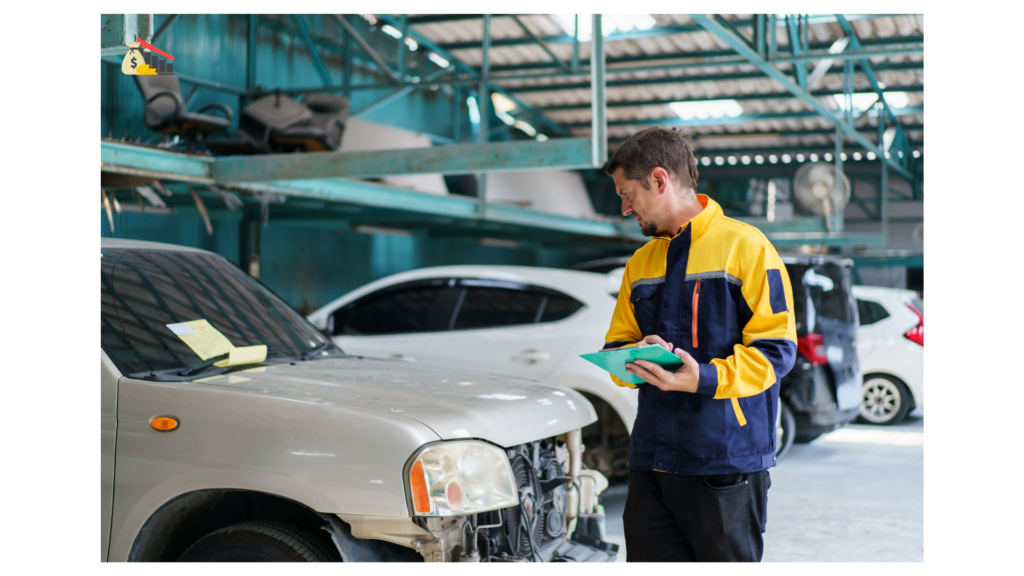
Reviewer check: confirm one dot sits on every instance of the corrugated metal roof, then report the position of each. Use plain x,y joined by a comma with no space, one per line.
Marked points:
868,28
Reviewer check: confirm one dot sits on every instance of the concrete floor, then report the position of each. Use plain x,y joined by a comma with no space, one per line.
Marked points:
855,495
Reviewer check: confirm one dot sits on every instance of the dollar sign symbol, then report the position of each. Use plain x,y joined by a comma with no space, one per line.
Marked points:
133,63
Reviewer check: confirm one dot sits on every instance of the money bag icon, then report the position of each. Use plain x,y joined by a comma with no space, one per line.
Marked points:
133,59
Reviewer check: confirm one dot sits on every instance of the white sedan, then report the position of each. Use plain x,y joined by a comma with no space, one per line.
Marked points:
890,341
509,320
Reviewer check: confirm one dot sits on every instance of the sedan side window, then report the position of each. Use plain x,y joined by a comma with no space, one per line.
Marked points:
486,307
870,312
401,311
559,306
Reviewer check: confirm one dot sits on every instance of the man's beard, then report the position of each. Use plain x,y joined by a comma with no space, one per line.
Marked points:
649,229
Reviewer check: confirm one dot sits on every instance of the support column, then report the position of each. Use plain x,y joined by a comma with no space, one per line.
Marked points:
249,259
348,63
456,107
759,34
836,223
576,45
598,105
883,185
483,102
250,61
401,46
250,53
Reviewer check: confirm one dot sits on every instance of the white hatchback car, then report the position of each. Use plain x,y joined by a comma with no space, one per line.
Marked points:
890,343
510,320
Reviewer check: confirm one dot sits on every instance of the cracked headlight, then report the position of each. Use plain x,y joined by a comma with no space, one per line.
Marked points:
456,478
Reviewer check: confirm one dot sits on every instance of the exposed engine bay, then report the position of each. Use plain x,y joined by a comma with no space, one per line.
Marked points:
558,518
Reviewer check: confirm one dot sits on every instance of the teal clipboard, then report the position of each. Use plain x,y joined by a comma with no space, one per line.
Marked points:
614,360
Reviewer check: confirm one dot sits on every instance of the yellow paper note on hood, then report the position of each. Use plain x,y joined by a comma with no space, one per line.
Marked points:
244,355
205,340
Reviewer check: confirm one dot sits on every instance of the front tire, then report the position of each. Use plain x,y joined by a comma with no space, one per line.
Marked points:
785,430
260,541
884,400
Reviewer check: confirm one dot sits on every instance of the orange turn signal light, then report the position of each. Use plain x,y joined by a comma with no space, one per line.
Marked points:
418,482
164,423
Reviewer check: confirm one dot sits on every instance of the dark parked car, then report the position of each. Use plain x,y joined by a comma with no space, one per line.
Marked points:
823,390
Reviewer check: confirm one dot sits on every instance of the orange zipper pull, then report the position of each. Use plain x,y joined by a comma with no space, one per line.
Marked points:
696,298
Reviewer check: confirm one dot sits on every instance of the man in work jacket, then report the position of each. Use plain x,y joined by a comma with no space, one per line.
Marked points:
714,292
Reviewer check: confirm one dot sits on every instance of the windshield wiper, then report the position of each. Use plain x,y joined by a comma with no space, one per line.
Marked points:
201,365
312,352
180,374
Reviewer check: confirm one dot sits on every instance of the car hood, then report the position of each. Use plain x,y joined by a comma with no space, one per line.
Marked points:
453,403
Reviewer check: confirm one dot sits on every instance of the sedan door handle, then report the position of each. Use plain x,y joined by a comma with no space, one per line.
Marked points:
530,357
402,357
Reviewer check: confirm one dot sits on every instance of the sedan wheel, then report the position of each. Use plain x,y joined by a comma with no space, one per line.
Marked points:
885,400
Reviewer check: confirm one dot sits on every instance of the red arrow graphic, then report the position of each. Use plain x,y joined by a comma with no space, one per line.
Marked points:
149,46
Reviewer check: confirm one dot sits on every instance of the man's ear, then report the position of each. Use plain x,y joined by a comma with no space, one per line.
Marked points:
659,176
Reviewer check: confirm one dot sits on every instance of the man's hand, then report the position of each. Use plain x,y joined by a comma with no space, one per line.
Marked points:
655,339
683,380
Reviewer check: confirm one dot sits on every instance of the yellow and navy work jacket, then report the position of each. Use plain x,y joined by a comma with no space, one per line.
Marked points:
718,290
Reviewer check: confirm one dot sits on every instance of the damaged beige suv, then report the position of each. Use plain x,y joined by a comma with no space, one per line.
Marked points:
233,430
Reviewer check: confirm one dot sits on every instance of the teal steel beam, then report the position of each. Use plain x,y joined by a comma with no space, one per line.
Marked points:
325,77
777,150
455,207
119,29
437,18
347,61
576,44
868,70
599,109
561,153
760,26
474,73
725,120
756,96
883,187
794,49
721,20
400,93
783,79
685,79
187,168
132,160
340,19
811,132
250,53
193,80
543,45
484,102
655,32
492,79
403,30
886,44
164,27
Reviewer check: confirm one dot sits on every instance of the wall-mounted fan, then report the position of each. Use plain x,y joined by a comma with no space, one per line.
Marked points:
823,190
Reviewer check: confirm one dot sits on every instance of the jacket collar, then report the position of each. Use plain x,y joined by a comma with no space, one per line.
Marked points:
701,222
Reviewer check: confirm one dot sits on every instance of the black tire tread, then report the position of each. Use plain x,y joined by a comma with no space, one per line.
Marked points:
307,547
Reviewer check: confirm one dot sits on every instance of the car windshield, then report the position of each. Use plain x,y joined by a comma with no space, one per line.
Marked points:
145,290
821,291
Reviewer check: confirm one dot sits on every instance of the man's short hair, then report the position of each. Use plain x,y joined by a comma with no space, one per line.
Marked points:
655,147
